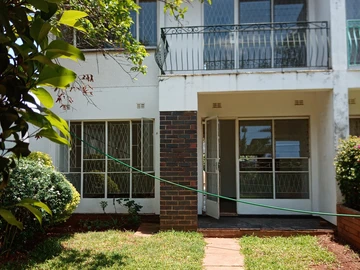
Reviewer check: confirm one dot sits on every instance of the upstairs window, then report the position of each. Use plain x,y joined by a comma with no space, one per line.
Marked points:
145,23
144,28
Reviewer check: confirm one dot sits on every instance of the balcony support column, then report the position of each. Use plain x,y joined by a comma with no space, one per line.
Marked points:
338,43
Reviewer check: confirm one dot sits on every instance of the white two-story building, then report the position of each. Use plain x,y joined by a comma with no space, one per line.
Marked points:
243,98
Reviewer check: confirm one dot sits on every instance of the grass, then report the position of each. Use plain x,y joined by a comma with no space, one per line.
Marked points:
280,253
117,250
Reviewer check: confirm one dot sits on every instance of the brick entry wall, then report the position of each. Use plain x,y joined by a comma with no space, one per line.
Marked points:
178,163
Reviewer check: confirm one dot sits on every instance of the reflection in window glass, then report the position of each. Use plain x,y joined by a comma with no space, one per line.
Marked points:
147,22
289,11
255,11
219,12
255,138
292,138
352,9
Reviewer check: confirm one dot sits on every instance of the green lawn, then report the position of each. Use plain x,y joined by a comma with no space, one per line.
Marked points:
118,250
280,253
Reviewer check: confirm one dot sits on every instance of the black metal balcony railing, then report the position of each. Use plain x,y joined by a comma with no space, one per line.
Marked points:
247,46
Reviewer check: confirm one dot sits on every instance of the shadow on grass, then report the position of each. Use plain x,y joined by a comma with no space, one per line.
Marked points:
51,254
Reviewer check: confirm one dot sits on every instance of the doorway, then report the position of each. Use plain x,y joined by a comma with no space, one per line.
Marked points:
227,167
220,166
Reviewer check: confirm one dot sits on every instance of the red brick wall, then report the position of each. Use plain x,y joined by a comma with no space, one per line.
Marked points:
178,163
349,228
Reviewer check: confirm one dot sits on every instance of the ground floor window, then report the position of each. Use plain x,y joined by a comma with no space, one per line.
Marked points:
274,159
354,126
97,176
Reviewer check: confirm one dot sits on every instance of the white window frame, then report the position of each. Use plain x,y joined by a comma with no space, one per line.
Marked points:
105,173
273,158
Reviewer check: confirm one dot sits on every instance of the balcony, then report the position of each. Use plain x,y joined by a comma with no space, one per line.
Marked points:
353,38
299,45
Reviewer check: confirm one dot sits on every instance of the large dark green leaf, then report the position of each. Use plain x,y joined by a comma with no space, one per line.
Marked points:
57,76
58,122
10,218
37,204
60,48
39,4
36,212
39,29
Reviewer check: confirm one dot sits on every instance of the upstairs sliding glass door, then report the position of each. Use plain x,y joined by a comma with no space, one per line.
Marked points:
255,34
274,159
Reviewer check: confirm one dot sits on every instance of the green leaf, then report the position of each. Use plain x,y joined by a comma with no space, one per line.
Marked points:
58,77
36,119
71,17
43,60
53,136
10,218
44,96
39,4
36,212
38,204
58,122
39,29
60,48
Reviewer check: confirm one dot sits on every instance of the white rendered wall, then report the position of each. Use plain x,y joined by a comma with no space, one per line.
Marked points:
115,95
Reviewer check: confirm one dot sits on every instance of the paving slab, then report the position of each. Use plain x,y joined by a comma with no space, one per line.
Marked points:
223,254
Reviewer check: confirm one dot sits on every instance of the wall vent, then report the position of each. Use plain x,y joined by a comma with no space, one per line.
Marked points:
352,101
299,102
140,105
217,105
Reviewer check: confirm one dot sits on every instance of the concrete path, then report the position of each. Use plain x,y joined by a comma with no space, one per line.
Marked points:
223,254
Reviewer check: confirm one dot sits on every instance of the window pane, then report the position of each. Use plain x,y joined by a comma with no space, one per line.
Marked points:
136,144
148,145
143,186
290,11
255,165
255,138
292,138
352,9
118,145
75,151
256,185
255,11
219,12
147,22
355,126
118,185
94,134
291,164
75,179
94,185
292,185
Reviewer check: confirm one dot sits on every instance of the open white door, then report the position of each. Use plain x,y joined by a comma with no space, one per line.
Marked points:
212,166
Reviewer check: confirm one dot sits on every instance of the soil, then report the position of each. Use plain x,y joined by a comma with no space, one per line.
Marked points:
346,258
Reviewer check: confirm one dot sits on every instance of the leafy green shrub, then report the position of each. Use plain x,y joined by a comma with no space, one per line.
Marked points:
71,206
42,158
347,164
34,180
